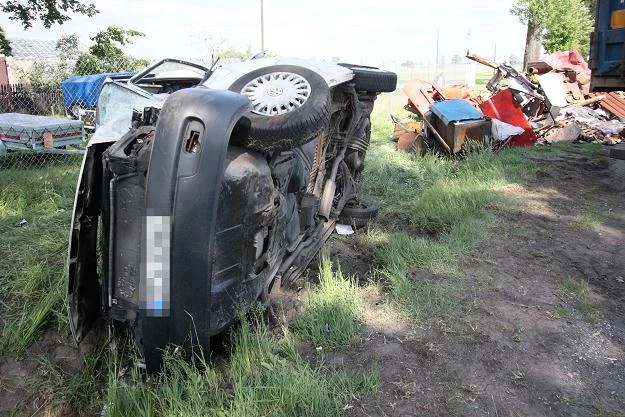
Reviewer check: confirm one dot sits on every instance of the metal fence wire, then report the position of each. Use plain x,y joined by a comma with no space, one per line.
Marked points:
47,107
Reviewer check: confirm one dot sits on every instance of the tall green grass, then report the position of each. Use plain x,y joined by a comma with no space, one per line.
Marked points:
334,312
433,211
264,377
32,255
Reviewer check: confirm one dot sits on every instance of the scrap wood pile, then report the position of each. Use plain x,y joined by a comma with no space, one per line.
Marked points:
550,103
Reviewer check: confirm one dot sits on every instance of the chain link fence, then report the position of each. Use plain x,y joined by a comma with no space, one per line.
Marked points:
48,106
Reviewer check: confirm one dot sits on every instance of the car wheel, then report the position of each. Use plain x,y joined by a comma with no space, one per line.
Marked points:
372,79
359,213
290,105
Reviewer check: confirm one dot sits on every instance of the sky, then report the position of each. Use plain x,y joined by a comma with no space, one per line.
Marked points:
357,31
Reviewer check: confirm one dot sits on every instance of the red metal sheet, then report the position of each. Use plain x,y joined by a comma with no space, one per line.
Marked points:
504,107
421,95
614,103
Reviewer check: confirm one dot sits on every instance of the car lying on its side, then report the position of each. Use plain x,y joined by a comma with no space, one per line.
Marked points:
202,190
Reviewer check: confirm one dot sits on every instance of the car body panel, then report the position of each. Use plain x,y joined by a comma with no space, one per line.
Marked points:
224,76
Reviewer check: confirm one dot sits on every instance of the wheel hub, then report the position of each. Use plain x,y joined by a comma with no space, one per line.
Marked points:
277,93
274,92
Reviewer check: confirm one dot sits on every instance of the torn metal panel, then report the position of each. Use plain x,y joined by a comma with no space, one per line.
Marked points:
504,71
552,84
421,95
504,107
615,104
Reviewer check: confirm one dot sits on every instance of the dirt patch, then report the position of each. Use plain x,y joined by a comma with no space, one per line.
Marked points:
524,347
25,388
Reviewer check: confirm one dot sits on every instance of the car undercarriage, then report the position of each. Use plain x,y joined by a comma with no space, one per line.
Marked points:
212,197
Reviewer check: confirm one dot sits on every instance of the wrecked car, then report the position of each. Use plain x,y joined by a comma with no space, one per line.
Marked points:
203,189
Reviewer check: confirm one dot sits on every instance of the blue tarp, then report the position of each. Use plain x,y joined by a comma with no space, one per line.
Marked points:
455,111
85,89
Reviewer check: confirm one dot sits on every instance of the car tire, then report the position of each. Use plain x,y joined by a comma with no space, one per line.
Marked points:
372,79
359,214
305,91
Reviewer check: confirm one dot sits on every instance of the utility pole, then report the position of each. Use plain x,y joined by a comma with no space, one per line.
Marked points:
262,27
436,61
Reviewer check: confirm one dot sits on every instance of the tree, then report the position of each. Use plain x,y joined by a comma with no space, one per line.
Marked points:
107,42
105,55
5,45
216,48
408,64
557,24
235,54
44,74
456,59
513,60
568,26
67,47
48,12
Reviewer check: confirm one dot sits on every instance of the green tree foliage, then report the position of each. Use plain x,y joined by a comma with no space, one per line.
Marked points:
106,55
565,24
43,74
48,12
107,42
5,46
235,54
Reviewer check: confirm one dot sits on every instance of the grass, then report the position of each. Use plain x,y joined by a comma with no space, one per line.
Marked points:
64,390
334,311
577,292
433,211
32,255
594,151
587,221
264,377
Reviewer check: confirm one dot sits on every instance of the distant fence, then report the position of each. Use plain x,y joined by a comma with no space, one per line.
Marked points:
36,89
44,100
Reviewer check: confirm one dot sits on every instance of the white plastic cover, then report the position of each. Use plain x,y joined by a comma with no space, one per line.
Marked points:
501,131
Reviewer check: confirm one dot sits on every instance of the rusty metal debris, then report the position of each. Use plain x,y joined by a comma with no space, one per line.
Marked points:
550,102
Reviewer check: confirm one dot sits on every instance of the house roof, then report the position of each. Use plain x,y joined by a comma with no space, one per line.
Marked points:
34,48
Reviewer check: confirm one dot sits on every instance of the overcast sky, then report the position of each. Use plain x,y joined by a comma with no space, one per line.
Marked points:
366,31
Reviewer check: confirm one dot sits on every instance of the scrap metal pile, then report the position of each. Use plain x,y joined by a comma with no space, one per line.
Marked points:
550,103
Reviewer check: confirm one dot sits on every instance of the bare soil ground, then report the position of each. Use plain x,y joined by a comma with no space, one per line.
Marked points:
525,344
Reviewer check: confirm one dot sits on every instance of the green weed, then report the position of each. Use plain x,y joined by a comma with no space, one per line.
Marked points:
433,212
333,314
32,255
578,292
594,151
587,221
264,377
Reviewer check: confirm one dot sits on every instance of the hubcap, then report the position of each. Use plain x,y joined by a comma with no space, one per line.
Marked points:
277,93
